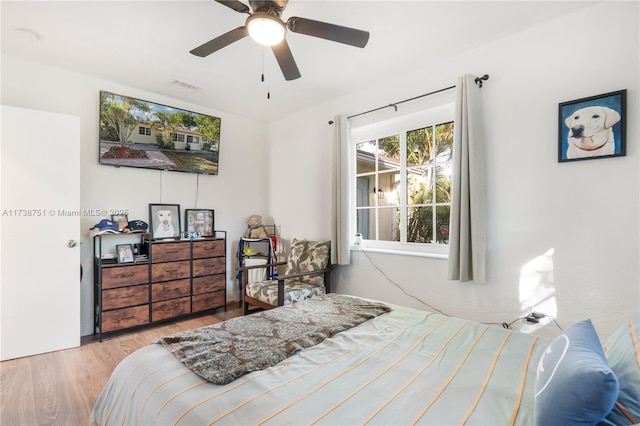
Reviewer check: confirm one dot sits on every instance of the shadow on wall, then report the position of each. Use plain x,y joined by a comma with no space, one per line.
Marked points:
537,290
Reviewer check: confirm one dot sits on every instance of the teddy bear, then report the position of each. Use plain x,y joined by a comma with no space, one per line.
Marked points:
255,229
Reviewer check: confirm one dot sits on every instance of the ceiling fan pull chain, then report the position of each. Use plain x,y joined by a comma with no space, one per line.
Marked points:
262,65
268,93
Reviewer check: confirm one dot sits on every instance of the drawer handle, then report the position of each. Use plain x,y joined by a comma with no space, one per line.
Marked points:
127,318
173,251
172,270
125,275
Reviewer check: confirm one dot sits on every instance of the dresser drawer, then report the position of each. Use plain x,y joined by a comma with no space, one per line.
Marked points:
209,248
125,296
209,283
120,276
202,302
125,318
170,290
163,252
210,266
170,271
170,308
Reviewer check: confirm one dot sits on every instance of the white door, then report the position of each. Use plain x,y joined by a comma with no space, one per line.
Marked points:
39,232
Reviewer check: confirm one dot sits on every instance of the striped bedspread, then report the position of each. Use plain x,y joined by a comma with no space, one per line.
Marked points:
404,367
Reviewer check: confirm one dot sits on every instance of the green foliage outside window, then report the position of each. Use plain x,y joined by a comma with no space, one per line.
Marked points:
428,181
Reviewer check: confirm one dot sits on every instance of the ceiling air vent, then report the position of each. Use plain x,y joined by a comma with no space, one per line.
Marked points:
186,86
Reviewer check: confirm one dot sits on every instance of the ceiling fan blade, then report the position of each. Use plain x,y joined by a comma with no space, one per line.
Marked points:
235,5
340,34
285,60
219,42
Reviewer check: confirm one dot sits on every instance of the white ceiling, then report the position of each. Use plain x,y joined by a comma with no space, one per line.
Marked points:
146,44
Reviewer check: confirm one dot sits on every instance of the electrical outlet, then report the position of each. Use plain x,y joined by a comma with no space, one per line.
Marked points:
537,315
532,319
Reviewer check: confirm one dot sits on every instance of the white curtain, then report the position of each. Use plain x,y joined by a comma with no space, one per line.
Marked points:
467,233
340,193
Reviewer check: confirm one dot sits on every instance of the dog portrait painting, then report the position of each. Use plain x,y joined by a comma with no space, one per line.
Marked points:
165,221
592,127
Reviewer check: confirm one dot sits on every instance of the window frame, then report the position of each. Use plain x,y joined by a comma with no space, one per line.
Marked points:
398,126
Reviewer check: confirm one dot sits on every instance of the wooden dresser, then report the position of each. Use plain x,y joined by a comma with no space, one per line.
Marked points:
125,296
179,278
208,275
170,280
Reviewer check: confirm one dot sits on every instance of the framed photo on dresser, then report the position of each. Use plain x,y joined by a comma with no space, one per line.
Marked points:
164,221
200,221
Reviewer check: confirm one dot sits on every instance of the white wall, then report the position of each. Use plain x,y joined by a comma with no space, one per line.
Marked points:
564,233
587,212
236,192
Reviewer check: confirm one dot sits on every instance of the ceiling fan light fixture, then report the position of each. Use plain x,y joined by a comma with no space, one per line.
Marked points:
265,28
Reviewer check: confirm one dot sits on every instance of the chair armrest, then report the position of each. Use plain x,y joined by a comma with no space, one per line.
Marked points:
264,265
302,274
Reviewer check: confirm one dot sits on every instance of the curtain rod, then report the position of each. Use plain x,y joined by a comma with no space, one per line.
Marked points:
394,105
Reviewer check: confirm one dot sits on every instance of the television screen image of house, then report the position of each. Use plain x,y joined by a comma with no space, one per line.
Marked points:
138,133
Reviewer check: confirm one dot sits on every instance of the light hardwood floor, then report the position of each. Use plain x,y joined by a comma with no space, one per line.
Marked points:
60,388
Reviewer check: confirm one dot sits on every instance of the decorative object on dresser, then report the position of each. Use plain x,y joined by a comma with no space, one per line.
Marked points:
200,221
136,226
165,221
122,220
125,253
168,279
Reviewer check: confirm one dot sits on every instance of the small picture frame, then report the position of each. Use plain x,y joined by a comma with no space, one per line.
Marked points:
200,221
164,220
125,253
121,219
593,127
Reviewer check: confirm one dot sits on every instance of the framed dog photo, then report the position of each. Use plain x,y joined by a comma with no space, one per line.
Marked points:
164,220
593,127
199,220
125,253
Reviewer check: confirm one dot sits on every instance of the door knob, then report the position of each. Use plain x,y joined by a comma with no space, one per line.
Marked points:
71,243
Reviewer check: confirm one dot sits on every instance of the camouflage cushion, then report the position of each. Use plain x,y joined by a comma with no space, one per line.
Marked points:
308,256
294,291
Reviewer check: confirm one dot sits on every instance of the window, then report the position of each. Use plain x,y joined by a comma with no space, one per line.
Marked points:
178,137
193,139
145,131
403,181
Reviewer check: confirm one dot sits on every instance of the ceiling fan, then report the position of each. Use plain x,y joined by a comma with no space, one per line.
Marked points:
266,27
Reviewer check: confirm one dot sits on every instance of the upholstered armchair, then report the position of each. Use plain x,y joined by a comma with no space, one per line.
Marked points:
307,274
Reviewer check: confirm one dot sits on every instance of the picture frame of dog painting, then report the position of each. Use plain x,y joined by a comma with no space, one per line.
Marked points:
200,221
593,127
164,220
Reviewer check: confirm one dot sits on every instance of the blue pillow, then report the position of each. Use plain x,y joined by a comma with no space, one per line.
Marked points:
574,384
623,353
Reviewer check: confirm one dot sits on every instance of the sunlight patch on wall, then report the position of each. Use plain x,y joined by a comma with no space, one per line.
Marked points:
537,289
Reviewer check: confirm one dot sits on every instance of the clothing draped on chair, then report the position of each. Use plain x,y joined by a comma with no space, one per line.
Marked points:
467,229
340,193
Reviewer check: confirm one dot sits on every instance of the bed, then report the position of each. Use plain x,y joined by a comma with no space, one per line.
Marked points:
404,366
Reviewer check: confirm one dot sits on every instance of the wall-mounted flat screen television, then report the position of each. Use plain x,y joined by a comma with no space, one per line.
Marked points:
137,133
